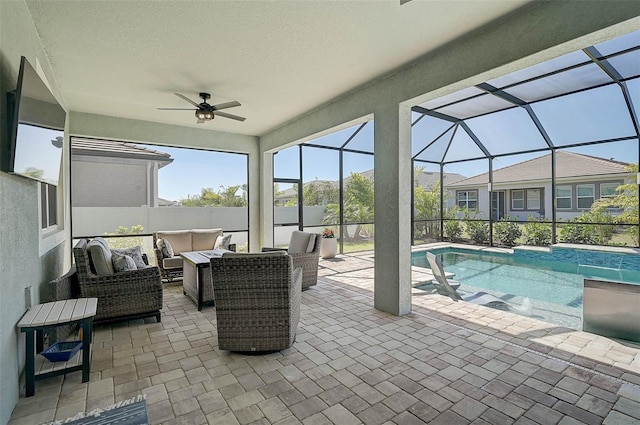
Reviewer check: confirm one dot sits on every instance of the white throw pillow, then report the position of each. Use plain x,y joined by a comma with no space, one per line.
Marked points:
123,263
222,242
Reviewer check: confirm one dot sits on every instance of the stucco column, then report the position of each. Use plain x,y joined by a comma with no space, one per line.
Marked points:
392,164
266,199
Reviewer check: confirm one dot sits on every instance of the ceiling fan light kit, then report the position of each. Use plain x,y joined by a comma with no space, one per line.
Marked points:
205,111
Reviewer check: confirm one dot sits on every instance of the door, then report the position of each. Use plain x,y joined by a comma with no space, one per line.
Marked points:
497,204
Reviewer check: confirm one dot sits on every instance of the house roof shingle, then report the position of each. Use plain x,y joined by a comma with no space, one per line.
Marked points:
116,149
568,164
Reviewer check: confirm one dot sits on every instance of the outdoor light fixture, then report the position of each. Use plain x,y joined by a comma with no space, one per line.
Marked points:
204,115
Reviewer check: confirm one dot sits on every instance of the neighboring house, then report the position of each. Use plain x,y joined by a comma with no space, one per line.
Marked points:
425,179
286,195
107,173
524,189
167,203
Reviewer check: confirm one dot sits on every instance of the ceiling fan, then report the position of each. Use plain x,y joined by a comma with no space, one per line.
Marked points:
205,111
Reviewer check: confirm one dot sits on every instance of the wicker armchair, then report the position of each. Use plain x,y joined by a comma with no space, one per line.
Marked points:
304,249
123,295
257,301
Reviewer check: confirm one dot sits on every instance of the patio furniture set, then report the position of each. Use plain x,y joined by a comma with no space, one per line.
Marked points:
256,296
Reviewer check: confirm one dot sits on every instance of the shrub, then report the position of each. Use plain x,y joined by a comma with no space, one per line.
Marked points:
574,232
537,232
507,231
577,230
452,229
478,231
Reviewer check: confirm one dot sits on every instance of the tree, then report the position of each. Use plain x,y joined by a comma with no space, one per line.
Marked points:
320,193
427,207
225,197
626,200
358,205
125,242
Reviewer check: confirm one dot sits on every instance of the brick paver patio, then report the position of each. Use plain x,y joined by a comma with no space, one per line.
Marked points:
446,363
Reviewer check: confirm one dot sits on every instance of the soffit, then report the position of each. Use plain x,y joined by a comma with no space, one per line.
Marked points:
279,59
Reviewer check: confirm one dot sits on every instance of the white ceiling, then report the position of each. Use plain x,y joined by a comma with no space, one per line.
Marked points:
279,59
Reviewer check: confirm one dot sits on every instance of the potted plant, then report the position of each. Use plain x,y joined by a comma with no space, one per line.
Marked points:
329,245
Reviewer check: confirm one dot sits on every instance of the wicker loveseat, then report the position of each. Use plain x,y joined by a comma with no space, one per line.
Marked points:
257,301
304,249
121,295
183,241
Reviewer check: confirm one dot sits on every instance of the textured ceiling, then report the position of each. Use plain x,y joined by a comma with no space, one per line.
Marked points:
279,59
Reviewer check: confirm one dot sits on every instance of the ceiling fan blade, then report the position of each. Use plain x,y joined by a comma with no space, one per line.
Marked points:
177,109
225,105
183,97
233,117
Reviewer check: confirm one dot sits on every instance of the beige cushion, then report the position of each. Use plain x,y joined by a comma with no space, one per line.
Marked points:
100,256
312,242
180,240
203,239
172,263
300,242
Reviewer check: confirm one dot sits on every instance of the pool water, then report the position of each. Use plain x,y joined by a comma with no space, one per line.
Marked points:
549,290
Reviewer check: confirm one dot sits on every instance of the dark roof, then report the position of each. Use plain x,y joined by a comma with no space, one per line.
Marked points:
115,149
568,164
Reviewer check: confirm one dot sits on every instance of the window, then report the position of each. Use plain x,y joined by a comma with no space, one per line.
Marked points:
526,199
608,190
533,199
467,199
563,197
585,195
517,199
48,206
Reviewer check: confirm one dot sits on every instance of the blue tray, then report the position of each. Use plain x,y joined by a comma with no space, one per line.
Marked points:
62,351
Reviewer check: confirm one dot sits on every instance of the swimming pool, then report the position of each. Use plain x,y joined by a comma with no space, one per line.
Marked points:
534,286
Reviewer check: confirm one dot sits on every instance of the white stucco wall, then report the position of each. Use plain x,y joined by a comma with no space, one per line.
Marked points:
27,260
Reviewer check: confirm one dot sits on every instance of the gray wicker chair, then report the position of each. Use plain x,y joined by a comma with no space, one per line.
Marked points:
123,295
305,253
257,301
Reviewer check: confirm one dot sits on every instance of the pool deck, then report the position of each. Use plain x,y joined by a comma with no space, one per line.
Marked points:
444,363
618,358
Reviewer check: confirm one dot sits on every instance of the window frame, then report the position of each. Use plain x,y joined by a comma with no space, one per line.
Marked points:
570,197
522,199
578,197
600,195
525,199
467,198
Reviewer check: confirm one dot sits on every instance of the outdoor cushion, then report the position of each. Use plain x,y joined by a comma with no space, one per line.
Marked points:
172,263
123,263
135,253
165,247
180,240
100,257
222,242
301,242
204,239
